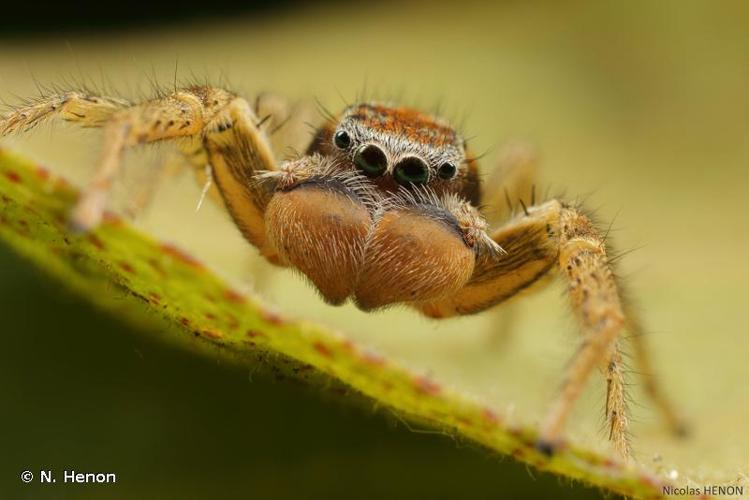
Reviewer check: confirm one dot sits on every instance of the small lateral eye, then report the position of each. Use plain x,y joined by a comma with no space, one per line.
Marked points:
371,160
447,171
411,171
341,139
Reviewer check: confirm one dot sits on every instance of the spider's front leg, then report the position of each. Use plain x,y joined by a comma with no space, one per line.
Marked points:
238,151
555,234
220,127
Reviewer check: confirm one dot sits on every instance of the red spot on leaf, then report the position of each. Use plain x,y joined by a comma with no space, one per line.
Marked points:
42,173
232,321
234,296
348,345
13,176
184,321
489,415
181,256
372,358
212,334
254,333
210,316
272,318
127,267
155,298
323,349
427,386
648,480
96,241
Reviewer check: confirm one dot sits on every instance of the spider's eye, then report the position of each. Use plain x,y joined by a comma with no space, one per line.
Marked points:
342,139
411,170
447,171
371,160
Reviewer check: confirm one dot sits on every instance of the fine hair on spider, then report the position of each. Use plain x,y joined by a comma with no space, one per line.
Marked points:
383,204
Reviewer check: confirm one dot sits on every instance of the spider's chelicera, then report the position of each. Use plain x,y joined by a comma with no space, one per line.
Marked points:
384,207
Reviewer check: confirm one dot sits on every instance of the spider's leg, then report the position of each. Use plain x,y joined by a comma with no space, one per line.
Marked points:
596,302
616,400
286,128
181,114
287,124
83,108
652,388
512,179
238,151
555,234
174,164
531,251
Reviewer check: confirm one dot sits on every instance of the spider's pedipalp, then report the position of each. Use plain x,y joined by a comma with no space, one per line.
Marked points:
412,255
318,221
423,246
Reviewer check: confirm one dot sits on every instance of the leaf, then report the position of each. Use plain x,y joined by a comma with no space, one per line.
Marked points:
162,289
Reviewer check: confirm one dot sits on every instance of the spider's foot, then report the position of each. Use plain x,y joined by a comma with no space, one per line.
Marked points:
547,447
681,430
77,227
88,212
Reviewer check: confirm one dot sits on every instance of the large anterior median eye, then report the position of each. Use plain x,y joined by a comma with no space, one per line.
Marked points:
371,160
411,170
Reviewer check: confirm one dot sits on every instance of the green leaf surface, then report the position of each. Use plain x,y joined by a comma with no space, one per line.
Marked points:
164,291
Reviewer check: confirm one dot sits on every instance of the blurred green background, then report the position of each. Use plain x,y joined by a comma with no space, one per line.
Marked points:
642,107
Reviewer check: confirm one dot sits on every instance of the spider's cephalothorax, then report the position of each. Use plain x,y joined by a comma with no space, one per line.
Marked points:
400,147
382,211
382,208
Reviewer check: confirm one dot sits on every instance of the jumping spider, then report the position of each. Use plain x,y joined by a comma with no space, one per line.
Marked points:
383,208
